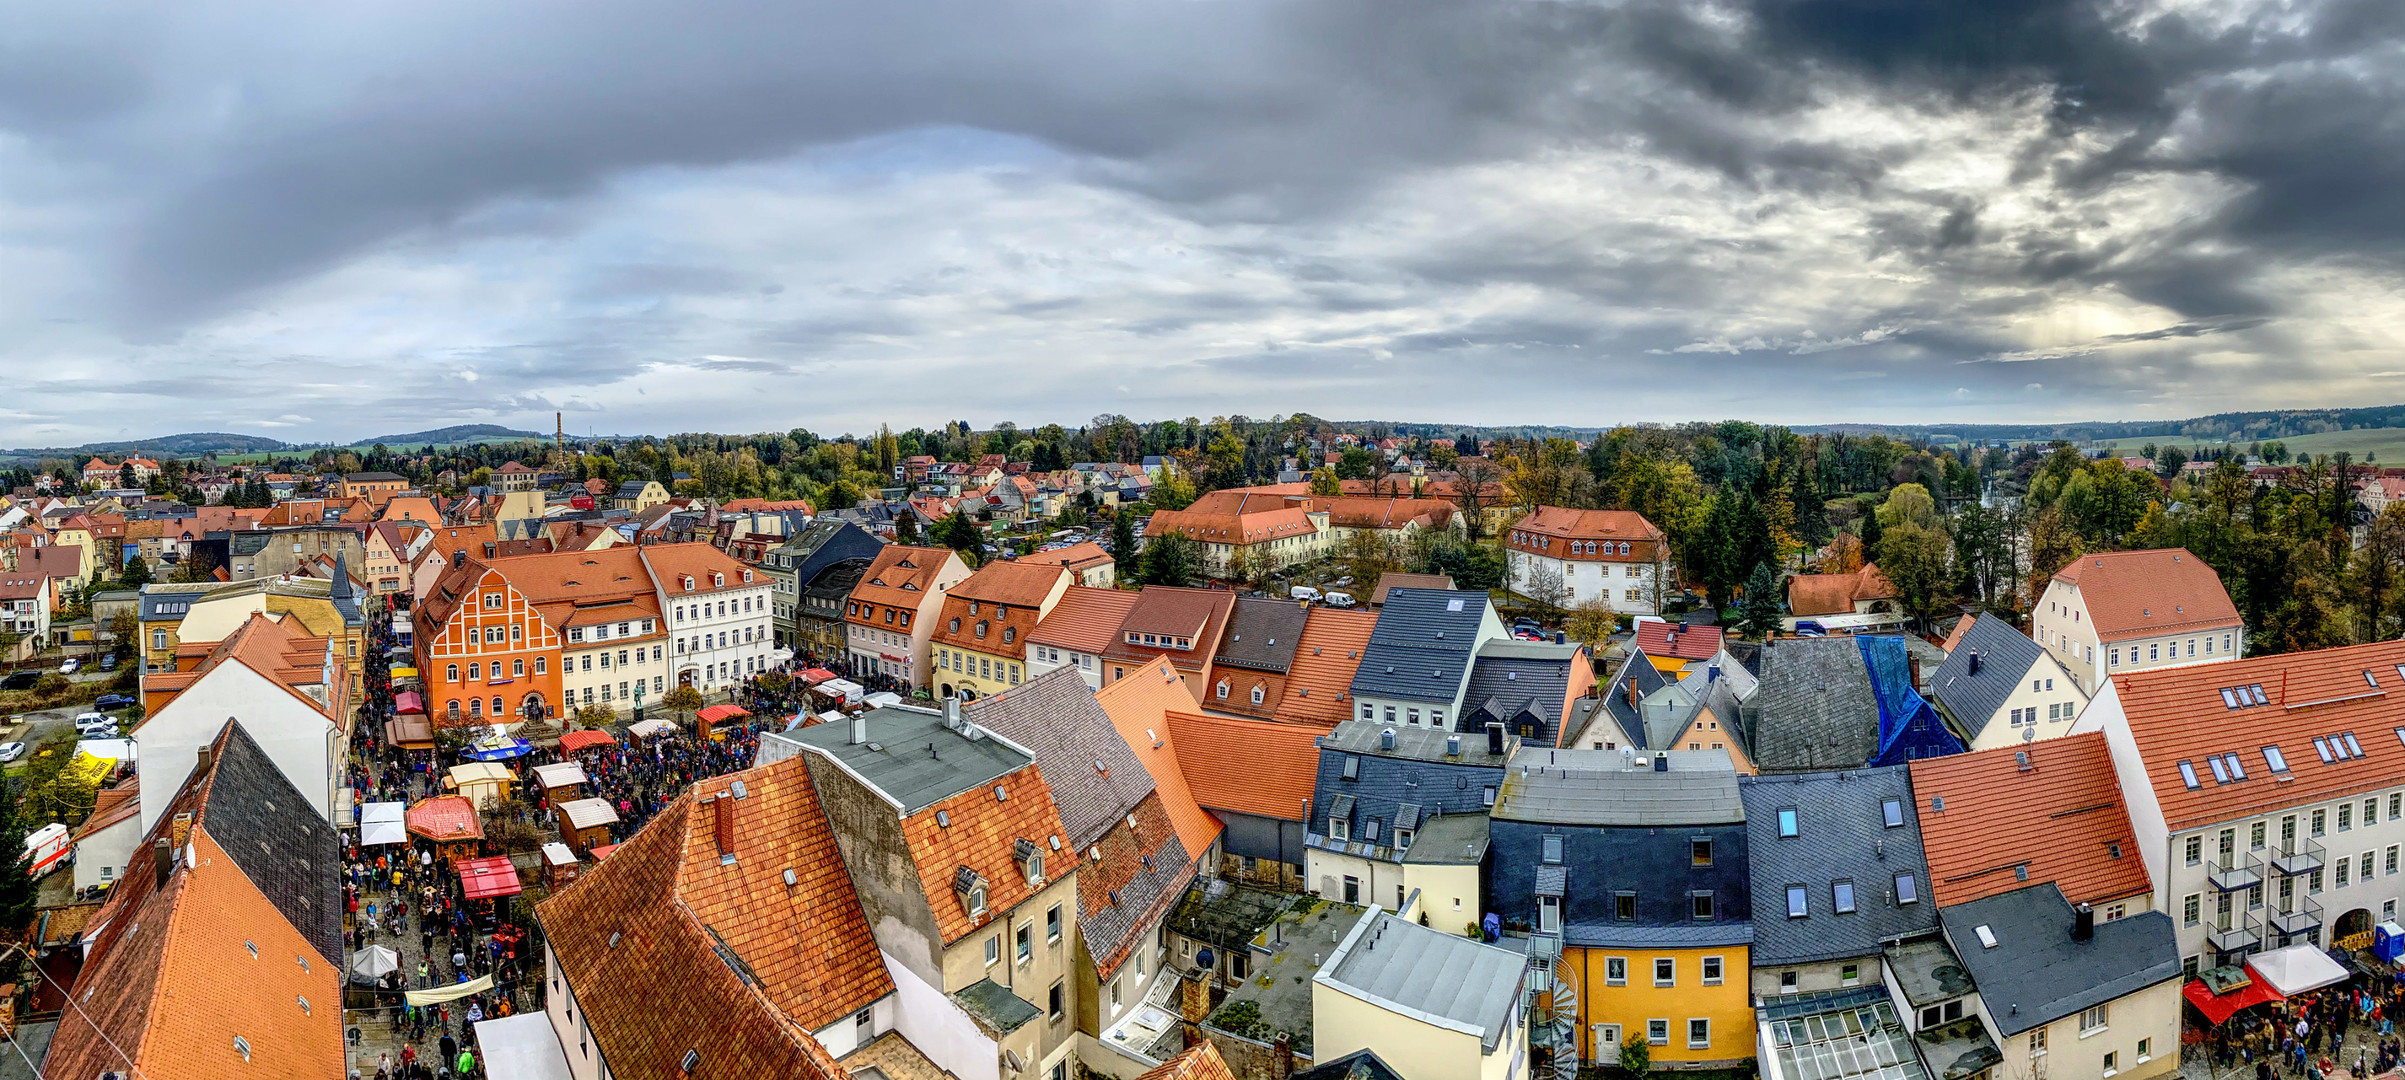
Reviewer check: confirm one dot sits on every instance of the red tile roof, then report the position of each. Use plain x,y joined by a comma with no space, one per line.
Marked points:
1248,766
2179,714
1673,641
1077,557
982,837
1085,620
1326,657
1836,594
903,576
2144,593
2062,819
1139,707
1200,1062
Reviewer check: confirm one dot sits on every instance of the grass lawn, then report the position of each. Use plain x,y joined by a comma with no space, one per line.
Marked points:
2387,443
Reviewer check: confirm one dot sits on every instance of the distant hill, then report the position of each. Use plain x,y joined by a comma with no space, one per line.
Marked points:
2219,427
191,444
457,433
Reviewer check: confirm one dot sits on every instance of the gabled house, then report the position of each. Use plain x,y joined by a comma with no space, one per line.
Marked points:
1615,557
1417,666
1837,857
1529,687
1863,601
890,616
1998,688
291,690
979,643
2112,612
1378,790
1077,631
1248,675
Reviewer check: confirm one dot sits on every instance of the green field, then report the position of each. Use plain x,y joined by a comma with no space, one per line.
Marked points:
2387,444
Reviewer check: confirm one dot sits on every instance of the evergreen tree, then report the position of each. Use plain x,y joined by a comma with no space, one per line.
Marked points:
1871,532
1123,538
906,527
960,534
16,885
1171,559
1758,613
136,573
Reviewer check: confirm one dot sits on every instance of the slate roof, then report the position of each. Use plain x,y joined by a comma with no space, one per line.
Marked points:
1601,787
1055,716
1262,634
2059,820
1814,709
1445,980
289,853
900,766
1451,840
1841,835
2037,974
1423,642
2004,657
1416,781
1639,672
824,543
1358,1065
1509,678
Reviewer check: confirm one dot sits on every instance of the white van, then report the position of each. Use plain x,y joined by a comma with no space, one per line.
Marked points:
1304,593
1342,600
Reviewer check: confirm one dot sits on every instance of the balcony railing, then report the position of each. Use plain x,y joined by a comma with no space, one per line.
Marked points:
2300,857
2246,873
2303,919
2243,934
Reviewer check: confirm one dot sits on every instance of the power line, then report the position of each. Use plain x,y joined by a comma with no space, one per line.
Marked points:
136,1070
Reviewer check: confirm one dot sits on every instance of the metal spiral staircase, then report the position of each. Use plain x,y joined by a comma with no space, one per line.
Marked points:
1565,1022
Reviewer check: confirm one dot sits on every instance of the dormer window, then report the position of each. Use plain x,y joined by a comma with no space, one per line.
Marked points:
971,887
1222,689
1257,694
955,625
1009,633
1030,856
981,630
688,580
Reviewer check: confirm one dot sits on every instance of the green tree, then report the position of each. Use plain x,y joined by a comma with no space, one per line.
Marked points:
1914,558
1170,490
1758,613
136,573
1172,558
681,700
1123,538
960,534
1356,463
1324,482
17,888
906,527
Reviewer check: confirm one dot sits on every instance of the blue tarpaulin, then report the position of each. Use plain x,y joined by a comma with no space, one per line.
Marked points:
1909,727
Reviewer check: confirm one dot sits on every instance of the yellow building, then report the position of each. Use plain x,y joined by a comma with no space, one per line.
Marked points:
1636,871
171,614
1374,993
980,638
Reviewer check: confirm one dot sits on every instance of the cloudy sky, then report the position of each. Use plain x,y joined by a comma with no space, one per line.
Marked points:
329,221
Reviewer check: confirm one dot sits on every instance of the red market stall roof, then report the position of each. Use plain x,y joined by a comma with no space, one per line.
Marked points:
408,701
2219,1007
603,852
445,817
584,740
816,675
488,877
721,713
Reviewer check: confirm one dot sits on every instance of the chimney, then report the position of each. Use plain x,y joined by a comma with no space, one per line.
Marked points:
2083,923
1913,662
722,825
1661,761
1974,663
859,728
181,830
162,860
207,760
1494,739
1281,1058
460,557
1194,1001
1386,739
1452,746
952,713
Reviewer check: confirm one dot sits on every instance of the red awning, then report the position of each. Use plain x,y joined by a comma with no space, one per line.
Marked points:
720,713
488,877
408,701
584,740
2219,1007
445,817
815,676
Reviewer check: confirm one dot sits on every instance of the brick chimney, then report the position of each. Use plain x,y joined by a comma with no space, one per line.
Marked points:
1281,1058
722,825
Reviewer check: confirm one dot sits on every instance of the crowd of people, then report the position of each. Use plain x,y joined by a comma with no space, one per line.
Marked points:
2308,1035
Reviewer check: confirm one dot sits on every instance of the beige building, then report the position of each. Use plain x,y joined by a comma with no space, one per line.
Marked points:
2123,611
964,870
2066,995
1376,993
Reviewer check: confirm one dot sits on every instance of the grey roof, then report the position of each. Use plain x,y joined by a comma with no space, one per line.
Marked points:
1510,679
993,1003
1262,633
1451,840
1108,924
1605,787
2004,656
1841,835
1639,672
1055,716
264,824
836,581
1219,912
1552,880
374,477
631,489
2037,974
1358,1065
1441,979
1815,709
1421,645
1415,780
896,761
822,544
1927,971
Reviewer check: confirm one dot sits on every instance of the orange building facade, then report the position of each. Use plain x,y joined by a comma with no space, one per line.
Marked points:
485,654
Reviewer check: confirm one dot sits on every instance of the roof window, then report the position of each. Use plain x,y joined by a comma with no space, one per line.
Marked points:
2354,748
2237,771
2275,759
1891,811
2220,775
2188,771
2322,746
1787,821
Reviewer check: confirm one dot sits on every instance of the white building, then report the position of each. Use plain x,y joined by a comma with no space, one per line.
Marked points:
288,690
719,623
1574,557
2136,611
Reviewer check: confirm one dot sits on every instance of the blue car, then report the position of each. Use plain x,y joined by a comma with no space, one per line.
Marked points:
107,702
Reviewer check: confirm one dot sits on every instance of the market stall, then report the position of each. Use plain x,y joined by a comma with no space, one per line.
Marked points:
496,748
652,728
409,732
383,823
584,740
841,691
560,782
714,716
409,703
585,823
486,783
451,822
2296,969
815,676
488,883
560,865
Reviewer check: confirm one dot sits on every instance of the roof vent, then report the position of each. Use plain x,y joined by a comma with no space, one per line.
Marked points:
738,789
790,879
1987,937
2021,758
242,1046
1001,794
943,819
691,1062
613,939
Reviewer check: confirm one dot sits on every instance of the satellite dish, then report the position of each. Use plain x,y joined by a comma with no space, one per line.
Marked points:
1205,959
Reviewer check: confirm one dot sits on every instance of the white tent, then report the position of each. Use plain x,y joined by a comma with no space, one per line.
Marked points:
844,690
2296,969
651,727
375,961
522,1047
884,699
382,823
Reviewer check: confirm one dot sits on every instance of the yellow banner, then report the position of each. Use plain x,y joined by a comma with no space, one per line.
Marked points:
454,992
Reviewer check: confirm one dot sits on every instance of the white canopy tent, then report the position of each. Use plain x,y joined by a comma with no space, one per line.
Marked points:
382,823
375,961
844,690
652,727
2296,969
884,699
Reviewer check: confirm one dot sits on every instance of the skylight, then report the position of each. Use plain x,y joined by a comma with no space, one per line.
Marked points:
2237,771
2322,746
2220,775
2188,774
2353,747
2279,761
2256,689
1987,937
1787,813
1893,812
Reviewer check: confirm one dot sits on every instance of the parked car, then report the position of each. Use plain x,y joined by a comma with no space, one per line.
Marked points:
109,662
69,665
1810,628
1304,593
22,680
11,751
107,702
104,728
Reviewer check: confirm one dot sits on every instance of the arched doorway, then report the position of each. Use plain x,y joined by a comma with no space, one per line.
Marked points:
531,707
947,689
685,677
2350,924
